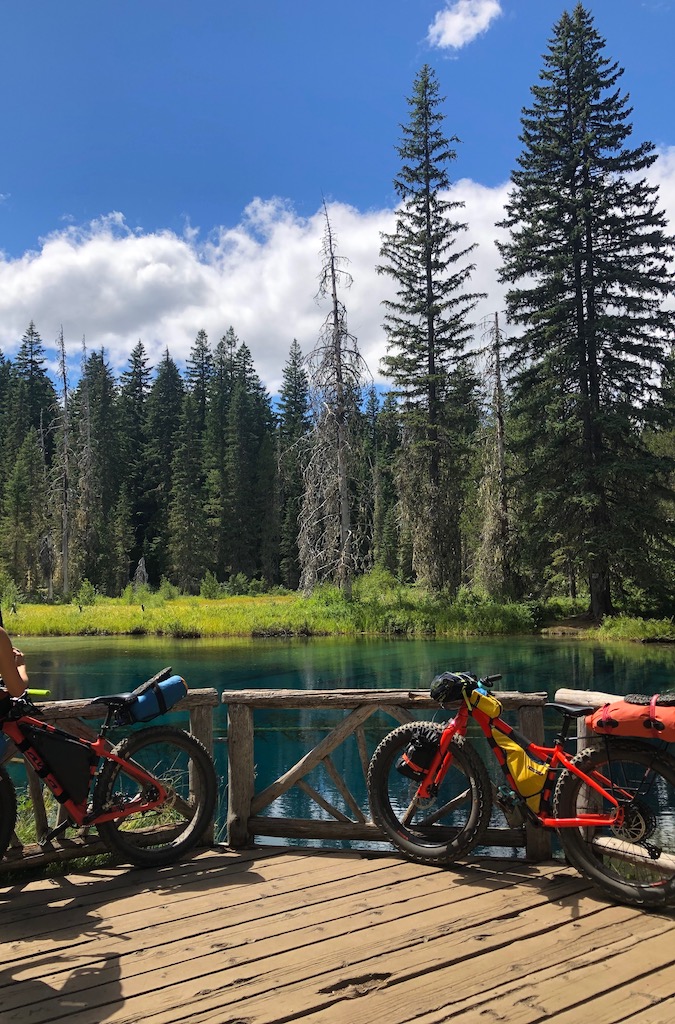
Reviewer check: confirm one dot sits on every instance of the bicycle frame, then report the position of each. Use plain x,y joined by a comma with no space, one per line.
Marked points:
554,757
100,749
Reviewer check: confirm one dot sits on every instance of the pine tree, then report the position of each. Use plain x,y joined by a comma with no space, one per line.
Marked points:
251,501
293,428
31,398
164,406
427,331
132,416
216,441
588,264
198,375
62,474
99,471
23,525
188,534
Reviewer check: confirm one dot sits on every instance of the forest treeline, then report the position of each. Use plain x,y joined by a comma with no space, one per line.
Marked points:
541,465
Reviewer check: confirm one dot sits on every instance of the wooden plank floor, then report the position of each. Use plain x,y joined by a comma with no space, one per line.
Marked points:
276,935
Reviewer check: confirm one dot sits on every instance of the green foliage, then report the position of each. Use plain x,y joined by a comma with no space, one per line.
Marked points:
623,627
10,595
210,589
86,595
167,591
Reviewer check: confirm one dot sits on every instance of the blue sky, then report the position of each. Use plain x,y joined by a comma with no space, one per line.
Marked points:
164,162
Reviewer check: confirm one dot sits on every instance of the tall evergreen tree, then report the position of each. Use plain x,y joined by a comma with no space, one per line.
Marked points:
132,419
23,526
99,471
198,376
216,448
164,406
588,264
32,401
188,534
293,427
427,331
251,501
62,474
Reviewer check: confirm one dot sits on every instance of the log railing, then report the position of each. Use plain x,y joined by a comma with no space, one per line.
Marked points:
68,715
245,817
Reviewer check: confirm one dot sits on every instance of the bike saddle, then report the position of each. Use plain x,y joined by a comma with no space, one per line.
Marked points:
113,700
571,710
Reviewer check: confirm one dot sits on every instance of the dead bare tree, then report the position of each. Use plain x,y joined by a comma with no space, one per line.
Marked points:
494,570
335,371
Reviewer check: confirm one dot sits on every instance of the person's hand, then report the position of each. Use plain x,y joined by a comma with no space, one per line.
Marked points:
20,663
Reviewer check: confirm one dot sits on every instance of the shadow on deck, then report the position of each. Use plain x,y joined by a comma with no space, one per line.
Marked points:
283,934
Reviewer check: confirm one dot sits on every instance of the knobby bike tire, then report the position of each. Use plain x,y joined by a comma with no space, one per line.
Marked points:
184,766
7,811
635,862
438,831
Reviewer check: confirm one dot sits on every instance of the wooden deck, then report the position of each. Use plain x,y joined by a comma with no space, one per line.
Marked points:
273,935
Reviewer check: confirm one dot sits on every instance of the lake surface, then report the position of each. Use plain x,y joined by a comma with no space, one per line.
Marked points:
85,667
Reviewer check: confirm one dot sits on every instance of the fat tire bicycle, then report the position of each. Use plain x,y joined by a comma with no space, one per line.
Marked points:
150,797
612,806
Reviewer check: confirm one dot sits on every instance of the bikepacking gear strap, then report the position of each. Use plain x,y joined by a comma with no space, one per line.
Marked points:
637,715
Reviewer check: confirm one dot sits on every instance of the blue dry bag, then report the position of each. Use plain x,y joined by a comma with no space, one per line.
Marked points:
154,698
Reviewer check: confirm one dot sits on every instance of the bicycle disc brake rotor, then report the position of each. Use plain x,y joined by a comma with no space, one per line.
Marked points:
638,825
423,803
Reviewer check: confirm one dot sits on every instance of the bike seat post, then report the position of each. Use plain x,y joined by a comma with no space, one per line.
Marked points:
563,732
108,721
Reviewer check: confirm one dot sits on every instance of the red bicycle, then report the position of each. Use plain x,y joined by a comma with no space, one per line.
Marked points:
613,807
151,797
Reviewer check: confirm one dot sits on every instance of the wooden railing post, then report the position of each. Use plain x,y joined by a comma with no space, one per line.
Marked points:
240,773
537,840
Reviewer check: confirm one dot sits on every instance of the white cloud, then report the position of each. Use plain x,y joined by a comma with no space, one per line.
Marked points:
261,276
460,22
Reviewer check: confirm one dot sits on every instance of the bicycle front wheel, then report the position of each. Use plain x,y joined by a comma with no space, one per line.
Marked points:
633,861
438,830
183,766
7,811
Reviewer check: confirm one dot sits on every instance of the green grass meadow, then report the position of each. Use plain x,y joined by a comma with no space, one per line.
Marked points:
379,607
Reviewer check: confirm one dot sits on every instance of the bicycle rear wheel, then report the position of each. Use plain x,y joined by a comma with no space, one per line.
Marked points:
7,811
634,862
436,831
183,766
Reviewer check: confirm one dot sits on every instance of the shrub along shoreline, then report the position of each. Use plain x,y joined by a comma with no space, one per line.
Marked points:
396,611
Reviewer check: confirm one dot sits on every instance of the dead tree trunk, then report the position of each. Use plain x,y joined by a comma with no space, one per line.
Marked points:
335,373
